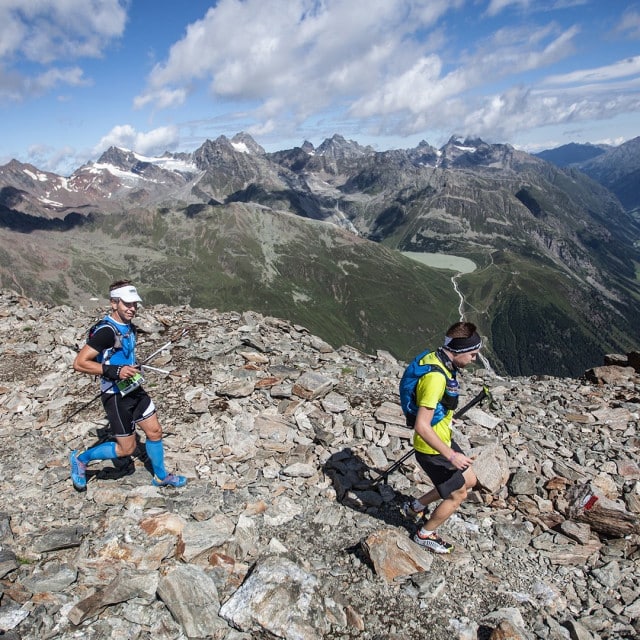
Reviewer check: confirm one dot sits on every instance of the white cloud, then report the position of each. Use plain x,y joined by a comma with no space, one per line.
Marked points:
309,54
286,68
509,52
15,87
154,142
521,109
54,77
12,32
12,86
61,161
496,6
629,25
619,69
161,98
416,89
291,60
46,32
431,98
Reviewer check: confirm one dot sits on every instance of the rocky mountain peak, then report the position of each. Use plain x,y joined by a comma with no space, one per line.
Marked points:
455,148
476,153
212,151
15,165
283,439
425,154
118,157
17,174
626,152
337,147
24,187
243,142
308,147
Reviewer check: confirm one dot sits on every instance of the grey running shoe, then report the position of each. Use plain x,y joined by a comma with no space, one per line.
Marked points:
433,542
408,512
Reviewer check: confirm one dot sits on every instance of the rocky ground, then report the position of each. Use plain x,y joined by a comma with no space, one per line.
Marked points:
280,531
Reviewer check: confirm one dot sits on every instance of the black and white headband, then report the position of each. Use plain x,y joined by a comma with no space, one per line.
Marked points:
462,345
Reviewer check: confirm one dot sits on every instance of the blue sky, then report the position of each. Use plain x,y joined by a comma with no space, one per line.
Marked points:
77,76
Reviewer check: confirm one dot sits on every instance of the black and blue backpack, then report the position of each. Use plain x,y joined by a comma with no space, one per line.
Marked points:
118,337
409,381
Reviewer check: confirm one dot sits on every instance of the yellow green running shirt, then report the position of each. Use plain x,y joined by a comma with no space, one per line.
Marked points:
429,391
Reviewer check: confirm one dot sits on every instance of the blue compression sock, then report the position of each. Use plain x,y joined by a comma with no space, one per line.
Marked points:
103,451
155,451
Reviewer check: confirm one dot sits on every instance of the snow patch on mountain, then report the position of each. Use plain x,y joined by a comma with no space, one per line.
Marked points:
465,148
97,168
38,177
169,163
240,147
51,203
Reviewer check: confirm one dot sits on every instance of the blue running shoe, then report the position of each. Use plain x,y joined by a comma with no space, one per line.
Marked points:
170,480
78,472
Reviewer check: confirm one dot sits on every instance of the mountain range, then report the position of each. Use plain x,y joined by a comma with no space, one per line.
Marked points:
573,154
319,236
617,168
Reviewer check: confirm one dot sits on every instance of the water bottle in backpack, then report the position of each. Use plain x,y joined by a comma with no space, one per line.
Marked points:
451,395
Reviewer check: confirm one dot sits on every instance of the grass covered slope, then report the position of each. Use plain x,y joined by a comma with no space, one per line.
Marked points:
539,319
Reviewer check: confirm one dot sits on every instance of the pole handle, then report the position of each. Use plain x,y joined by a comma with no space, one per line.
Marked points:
484,393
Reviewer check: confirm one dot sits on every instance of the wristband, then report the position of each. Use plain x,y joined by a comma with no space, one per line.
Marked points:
111,371
452,456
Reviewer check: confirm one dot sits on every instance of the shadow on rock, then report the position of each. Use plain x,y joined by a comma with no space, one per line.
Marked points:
121,466
353,481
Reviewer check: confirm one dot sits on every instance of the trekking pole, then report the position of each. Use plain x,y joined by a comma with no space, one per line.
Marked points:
175,374
182,333
84,406
384,476
150,368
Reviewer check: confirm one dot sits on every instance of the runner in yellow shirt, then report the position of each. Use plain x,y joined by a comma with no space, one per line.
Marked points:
448,468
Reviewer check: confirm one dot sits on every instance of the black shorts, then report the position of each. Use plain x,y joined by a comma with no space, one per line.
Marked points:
445,477
124,412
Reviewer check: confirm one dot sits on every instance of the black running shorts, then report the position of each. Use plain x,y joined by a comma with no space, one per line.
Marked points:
444,476
124,412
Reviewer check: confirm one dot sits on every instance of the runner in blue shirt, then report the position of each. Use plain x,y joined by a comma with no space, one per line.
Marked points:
110,354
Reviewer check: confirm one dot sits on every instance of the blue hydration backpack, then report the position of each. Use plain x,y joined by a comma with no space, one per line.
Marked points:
409,381
124,343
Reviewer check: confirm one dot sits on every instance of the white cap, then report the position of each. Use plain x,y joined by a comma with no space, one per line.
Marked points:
126,294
